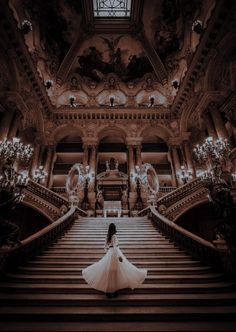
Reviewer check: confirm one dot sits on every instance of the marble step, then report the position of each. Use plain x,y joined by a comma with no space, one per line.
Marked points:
163,288
165,278
134,326
32,299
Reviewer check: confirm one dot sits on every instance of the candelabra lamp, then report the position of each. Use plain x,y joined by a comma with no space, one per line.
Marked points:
12,184
184,174
212,155
40,175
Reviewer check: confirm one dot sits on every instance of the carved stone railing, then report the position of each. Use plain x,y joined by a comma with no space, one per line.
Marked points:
196,246
59,190
98,113
166,189
193,244
175,203
44,200
39,241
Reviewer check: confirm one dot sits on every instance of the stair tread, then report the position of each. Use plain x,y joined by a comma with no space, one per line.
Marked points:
75,310
178,287
135,326
122,297
143,286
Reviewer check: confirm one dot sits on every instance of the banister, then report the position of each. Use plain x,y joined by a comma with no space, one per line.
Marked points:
196,246
182,230
37,242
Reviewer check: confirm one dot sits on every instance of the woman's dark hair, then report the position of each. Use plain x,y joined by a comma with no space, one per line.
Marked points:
111,231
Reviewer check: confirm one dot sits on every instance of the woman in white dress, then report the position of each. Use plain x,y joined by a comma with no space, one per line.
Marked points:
113,271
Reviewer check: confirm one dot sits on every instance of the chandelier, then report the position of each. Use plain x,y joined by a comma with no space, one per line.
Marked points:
12,182
14,149
40,174
212,154
184,174
212,151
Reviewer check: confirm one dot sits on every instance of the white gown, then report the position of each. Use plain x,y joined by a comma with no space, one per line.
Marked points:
109,274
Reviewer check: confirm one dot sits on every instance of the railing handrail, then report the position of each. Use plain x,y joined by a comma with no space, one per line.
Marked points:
36,187
82,211
142,211
195,245
36,242
182,230
47,228
184,191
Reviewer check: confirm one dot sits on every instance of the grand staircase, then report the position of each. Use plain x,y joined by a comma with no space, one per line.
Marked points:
180,294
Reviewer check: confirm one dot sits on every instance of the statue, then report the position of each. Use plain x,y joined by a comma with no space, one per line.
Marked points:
100,200
124,199
112,165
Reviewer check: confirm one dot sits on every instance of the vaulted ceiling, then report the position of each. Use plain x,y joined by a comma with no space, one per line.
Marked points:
73,59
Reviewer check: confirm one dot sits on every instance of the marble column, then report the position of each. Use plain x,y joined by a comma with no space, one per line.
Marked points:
14,126
131,167
189,159
210,126
139,155
176,162
173,177
35,159
92,173
218,123
93,159
85,155
5,124
48,164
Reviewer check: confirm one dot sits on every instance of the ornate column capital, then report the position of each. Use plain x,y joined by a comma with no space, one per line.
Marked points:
175,141
134,141
90,142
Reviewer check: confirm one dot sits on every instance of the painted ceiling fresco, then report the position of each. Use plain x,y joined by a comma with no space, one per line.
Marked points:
120,55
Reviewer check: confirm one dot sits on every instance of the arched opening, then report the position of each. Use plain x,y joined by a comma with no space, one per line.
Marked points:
200,220
28,220
111,146
69,150
112,158
155,152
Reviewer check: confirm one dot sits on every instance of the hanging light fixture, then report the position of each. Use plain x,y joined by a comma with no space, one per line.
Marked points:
26,26
40,175
184,174
14,149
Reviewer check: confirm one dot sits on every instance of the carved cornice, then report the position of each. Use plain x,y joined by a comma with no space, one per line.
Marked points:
17,43
161,114
229,106
202,55
207,98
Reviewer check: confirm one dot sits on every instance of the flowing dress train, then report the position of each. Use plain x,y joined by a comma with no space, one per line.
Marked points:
109,274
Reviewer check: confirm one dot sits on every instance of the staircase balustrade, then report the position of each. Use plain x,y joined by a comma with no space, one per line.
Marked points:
39,241
196,246
175,203
44,200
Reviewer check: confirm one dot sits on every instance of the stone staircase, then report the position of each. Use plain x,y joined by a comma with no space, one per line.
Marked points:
179,294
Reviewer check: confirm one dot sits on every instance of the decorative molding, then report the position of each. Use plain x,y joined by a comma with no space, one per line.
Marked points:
182,199
21,52
202,54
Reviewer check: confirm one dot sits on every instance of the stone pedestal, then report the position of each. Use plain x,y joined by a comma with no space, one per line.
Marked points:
132,200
